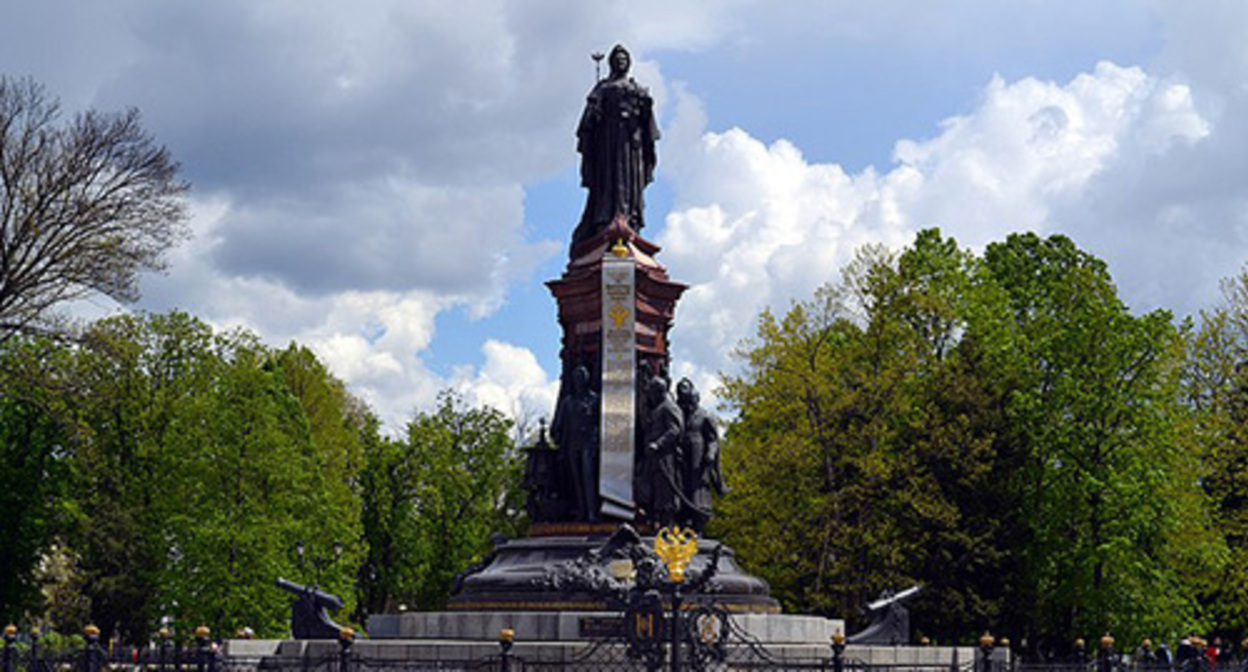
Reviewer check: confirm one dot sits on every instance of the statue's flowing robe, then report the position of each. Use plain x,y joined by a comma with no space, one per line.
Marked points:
616,139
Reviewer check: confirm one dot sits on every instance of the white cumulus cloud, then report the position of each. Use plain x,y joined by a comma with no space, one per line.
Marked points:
512,381
757,225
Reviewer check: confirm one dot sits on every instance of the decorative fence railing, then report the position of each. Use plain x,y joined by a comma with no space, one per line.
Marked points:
611,654
736,650
28,656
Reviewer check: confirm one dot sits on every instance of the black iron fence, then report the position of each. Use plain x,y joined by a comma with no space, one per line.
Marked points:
29,653
610,654
1116,662
723,647
702,649
601,656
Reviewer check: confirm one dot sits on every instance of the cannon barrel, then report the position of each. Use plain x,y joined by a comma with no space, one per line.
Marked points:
319,597
890,624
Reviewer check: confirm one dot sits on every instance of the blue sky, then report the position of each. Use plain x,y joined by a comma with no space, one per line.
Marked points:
390,181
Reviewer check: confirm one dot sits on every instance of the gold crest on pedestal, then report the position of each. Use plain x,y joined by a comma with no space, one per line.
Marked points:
676,547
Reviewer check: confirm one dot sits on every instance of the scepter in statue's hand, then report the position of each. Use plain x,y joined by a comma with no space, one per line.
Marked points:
597,56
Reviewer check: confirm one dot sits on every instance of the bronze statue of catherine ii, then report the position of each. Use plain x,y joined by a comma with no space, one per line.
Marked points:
616,140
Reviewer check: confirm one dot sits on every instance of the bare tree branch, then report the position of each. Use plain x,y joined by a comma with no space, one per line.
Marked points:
85,205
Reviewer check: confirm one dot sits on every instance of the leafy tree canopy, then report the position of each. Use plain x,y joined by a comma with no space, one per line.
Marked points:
997,427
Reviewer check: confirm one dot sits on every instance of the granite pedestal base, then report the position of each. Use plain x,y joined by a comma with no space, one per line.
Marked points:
585,626
513,580
559,636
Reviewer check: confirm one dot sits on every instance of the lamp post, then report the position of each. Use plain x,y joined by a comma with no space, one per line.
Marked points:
318,561
92,634
1105,661
506,638
202,637
986,641
10,636
162,650
838,651
34,647
346,638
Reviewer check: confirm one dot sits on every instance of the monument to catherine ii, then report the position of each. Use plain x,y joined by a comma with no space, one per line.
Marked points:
627,444
621,487
629,451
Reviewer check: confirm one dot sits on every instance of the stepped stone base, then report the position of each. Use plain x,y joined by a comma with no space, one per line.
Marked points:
542,626
554,636
513,579
241,654
539,636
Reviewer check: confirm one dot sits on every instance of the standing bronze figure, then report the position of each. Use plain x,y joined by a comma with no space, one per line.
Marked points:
616,140
575,427
700,451
661,457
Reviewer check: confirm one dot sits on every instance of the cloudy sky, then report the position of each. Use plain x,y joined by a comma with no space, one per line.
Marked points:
391,181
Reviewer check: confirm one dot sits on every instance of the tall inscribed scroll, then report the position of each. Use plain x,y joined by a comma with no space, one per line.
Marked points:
619,370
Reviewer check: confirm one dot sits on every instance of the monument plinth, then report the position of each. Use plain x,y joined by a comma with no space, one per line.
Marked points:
616,305
579,296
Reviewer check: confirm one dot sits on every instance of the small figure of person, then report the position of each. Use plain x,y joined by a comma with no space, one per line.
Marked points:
1144,658
1213,652
1164,658
1187,654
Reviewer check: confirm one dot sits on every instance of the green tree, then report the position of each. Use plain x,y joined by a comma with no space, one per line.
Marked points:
1216,387
861,404
338,425
204,459
1000,429
128,383
790,429
34,480
1118,535
819,410
947,489
432,499
389,527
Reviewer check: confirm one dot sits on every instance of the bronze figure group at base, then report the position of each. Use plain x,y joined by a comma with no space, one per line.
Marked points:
677,465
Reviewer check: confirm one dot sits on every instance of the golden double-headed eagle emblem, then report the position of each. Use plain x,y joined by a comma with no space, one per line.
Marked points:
676,547
618,314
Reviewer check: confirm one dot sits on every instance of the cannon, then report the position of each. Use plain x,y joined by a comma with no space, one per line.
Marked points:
309,618
890,624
